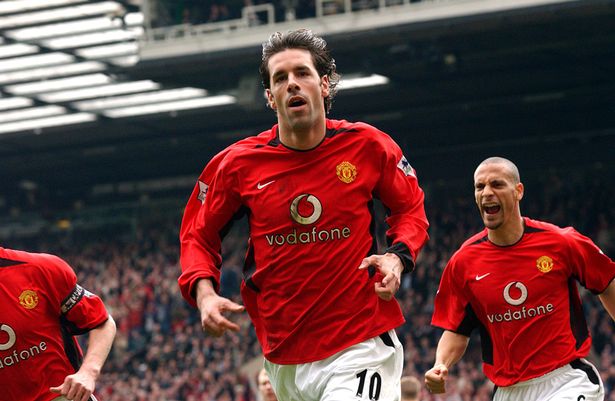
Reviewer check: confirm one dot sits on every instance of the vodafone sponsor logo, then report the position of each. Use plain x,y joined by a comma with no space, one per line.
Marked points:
306,209
7,341
515,294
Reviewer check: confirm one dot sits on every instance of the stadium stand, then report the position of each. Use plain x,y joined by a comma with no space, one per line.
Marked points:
108,195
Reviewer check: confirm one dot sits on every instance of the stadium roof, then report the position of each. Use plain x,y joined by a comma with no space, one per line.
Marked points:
456,77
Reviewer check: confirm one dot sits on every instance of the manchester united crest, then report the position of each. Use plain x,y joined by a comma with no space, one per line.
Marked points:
544,264
28,299
346,172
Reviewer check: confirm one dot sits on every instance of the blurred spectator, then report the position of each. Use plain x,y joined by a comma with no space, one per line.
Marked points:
410,388
264,386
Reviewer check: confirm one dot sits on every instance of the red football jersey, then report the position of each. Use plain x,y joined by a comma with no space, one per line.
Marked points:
523,299
42,308
311,224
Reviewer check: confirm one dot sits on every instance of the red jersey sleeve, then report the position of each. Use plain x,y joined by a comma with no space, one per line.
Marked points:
211,206
452,310
590,265
399,191
80,310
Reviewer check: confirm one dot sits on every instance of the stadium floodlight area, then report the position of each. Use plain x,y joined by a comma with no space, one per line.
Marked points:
15,103
17,49
65,28
39,60
39,123
115,35
171,106
34,112
59,64
8,7
51,72
59,84
59,14
168,95
100,91
362,82
102,52
126,61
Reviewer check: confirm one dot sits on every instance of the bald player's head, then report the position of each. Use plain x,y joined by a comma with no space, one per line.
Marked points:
510,167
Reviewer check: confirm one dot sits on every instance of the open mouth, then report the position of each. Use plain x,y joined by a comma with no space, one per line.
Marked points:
491,209
296,102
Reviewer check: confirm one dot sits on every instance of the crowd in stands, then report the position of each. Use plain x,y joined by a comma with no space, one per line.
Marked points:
195,12
162,354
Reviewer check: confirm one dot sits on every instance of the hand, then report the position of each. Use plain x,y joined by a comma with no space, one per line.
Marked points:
391,267
212,308
76,387
435,378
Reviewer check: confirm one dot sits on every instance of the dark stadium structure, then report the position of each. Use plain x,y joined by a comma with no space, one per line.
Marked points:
533,83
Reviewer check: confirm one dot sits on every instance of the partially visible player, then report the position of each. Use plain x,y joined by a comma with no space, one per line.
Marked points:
410,389
516,282
264,386
43,308
320,296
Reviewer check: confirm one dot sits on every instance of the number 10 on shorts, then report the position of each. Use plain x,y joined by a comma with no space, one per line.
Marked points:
374,386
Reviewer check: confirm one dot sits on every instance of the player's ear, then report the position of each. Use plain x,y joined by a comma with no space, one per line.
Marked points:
519,191
324,85
270,99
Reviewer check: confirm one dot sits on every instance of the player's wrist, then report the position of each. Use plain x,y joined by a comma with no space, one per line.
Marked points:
92,370
398,264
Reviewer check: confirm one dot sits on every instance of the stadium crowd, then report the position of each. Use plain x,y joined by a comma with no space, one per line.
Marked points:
174,12
161,353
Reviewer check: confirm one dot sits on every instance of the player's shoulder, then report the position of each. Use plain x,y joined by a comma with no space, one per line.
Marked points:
474,241
251,142
470,246
358,131
552,232
538,226
233,151
355,127
45,263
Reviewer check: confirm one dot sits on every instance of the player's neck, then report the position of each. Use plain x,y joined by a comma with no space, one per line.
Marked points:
507,234
302,138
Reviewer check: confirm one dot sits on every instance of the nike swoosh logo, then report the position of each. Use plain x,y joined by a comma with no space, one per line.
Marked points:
482,277
259,186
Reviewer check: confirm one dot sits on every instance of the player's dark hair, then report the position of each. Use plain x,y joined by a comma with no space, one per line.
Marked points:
302,39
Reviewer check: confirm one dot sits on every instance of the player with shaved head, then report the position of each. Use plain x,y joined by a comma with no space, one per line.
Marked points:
516,282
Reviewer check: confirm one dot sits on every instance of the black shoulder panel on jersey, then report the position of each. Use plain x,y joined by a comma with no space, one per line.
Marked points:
239,214
332,132
481,240
371,270
578,324
486,344
275,142
530,230
72,351
249,267
471,322
8,262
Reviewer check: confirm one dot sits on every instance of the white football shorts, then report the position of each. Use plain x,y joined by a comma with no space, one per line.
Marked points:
370,370
62,398
577,381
